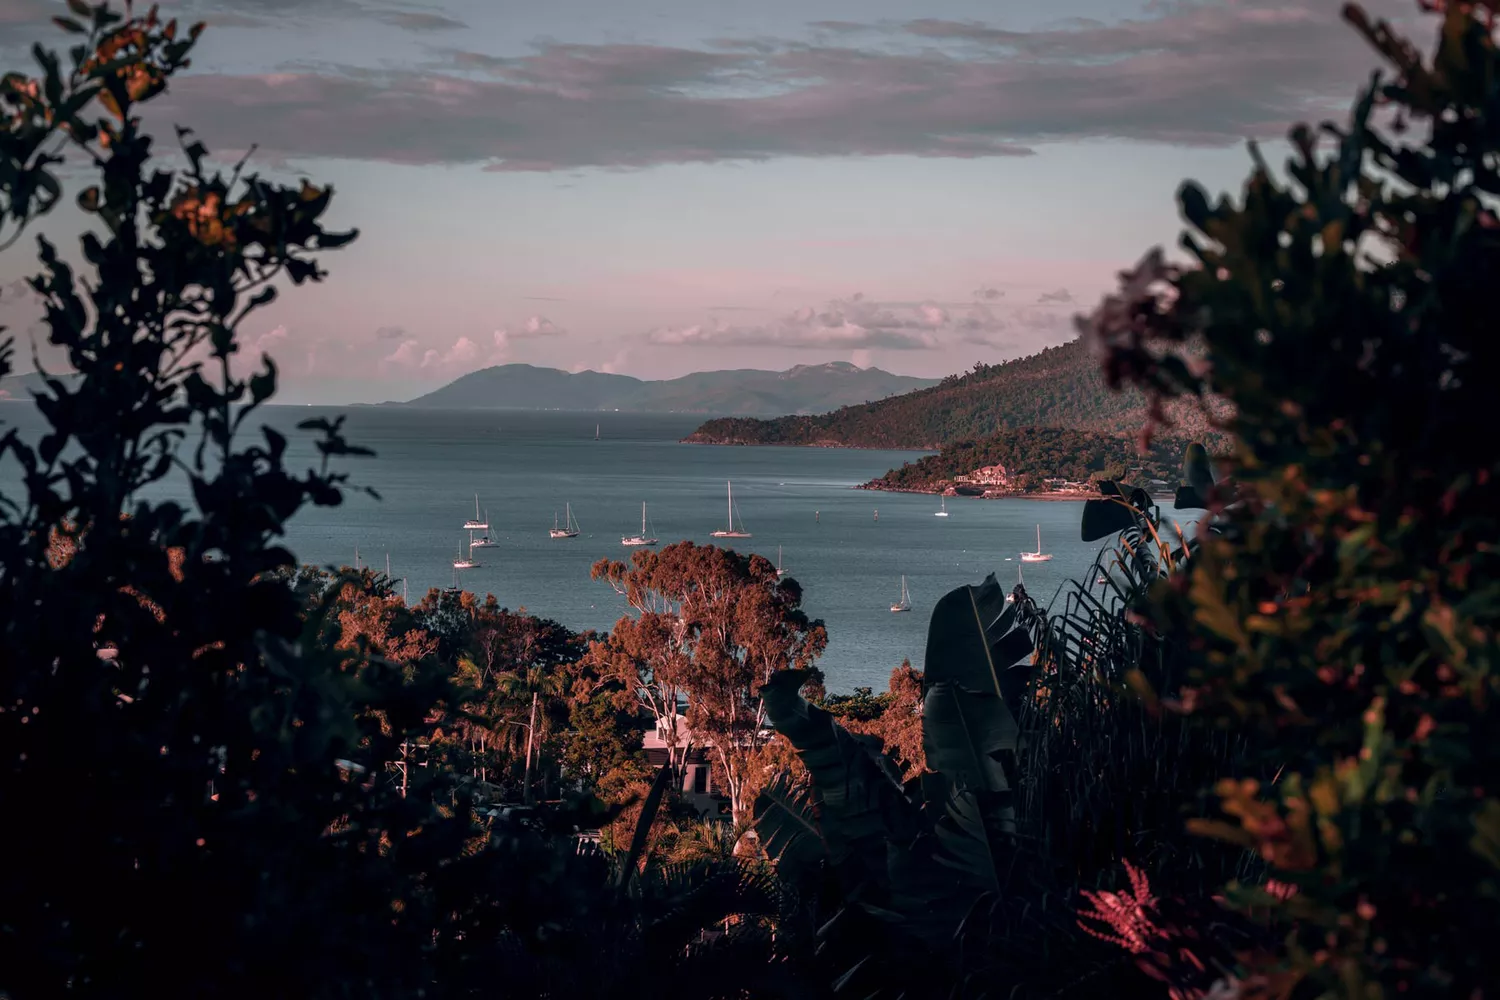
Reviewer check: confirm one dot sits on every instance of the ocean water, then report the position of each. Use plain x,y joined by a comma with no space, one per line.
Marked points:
524,466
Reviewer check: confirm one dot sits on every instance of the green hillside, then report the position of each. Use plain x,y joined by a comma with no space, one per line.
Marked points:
1059,387
1033,454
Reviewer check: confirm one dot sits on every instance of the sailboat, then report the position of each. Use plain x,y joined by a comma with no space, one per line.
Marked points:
905,603
779,571
484,541
596,432
729,531
465,562
1010,597
569,527
477,523
642,538
942,510
1038,555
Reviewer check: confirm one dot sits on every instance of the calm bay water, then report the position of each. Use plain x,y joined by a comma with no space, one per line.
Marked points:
525,466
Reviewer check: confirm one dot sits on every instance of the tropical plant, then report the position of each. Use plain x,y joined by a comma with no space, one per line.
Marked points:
1344,612
895,870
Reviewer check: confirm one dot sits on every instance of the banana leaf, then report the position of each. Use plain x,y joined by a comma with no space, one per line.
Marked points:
788,829
857,795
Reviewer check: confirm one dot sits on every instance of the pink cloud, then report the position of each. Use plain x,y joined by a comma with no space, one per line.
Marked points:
856,323
462,355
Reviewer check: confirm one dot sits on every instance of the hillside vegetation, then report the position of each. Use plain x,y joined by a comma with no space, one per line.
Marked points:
1058,387
1032,454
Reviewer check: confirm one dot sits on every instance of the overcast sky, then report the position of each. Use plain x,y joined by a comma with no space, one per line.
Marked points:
669,186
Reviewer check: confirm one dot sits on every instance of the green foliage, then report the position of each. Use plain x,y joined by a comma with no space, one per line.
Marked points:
1033,454
898,868
1059,387
1343,612
169,735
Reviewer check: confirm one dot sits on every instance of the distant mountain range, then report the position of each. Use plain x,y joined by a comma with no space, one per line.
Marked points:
805,389
1059,387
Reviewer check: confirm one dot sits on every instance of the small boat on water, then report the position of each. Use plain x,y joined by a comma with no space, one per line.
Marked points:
1011,597
1038,555
569,527
729,531
642,538
779,571
942,510
477,523
465,562
483,541
905,603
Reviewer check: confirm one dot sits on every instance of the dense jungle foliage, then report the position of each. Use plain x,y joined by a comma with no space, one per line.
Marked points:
1252,762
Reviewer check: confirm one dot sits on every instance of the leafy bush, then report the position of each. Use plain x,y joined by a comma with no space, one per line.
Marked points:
1344,612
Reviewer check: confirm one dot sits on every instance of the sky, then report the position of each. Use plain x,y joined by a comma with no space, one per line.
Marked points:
655,187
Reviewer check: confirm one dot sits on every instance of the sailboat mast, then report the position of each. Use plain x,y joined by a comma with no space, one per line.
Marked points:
731,504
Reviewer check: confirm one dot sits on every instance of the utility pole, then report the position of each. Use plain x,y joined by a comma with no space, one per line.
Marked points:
530,733
404,746
405,762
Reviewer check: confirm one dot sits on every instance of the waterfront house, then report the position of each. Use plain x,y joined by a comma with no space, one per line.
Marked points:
990,475
698,788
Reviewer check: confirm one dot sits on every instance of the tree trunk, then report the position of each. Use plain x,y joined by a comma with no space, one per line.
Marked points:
530,735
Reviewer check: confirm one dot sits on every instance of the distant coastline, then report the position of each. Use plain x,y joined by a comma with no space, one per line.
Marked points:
694,438
1048,495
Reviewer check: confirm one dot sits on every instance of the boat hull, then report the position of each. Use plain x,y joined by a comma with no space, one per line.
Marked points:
634,542
1033,557
555,533
730,534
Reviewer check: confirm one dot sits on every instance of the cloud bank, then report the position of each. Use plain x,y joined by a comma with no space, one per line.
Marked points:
1207,73
861,324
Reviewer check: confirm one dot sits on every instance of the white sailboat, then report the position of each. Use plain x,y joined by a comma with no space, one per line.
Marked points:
463,561
942,510
905,603
729,531
477,523
779,571
1010,597
642,538
1038,555
569,527
484,541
